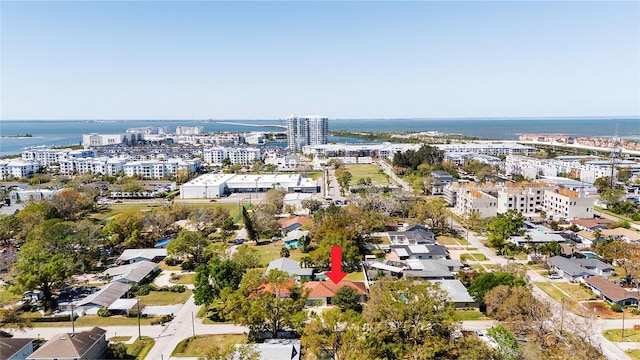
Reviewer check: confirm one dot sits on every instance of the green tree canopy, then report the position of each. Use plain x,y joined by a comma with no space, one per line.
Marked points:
487,281
190,244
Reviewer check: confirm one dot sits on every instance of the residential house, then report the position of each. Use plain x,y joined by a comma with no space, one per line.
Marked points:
458,294
591,224
15,348
293,223
291,267
611,292
103,298
424,251
416,235
321,292
569,269
292,237
130,256
133,273
440,180
90,345
277,349
596,266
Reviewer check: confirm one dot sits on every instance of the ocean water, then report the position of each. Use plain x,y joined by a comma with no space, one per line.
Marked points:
69,132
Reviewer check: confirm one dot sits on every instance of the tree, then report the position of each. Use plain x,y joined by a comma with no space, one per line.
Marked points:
507,343
516,306
487,281
284,252
611,197
268,304
225,274
503,227
190,244
433,211
333,335
624,254
347,298
203,290
70,204
248,225
602,183
552,248
247,257
415,316
124,229
311,204
38,268
9,227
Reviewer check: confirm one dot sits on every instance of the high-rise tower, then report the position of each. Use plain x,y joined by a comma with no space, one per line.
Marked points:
306,130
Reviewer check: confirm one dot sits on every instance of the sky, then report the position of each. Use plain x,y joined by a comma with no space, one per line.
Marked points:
266,60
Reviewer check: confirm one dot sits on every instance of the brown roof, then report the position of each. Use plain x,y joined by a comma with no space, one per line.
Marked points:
586,234
9,346
69,345
622,232
323,289
610,289
285,223
591,223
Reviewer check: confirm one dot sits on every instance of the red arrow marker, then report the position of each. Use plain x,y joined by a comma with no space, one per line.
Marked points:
336,273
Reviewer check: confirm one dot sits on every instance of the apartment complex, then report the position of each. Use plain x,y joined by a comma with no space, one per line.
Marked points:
18,168
564,204
243,156
306,130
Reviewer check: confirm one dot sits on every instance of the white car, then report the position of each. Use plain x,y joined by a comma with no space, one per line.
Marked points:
554,276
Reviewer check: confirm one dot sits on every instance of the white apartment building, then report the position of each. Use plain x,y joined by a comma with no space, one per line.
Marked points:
487,148
92,140
18,168
526,199
189,130
289,162
157,169
306,130
565,204
474,201
243,156
47,156
216,185
24,196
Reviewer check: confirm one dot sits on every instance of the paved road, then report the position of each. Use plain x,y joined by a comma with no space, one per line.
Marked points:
613,218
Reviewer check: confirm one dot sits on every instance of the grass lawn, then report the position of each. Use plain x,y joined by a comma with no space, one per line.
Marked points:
119,338
164,266
315,175
270,252
615,335
473,257
164,298
570,303
114,209
141,347
462,315
96,321
576,291
185,279
355,276
448,240
635,354
201,345
363,171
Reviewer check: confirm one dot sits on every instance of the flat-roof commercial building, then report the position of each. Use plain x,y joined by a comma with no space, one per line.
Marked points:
217,185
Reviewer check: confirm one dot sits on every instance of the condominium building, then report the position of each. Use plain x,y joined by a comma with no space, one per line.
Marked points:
189,130
306,130
565,204
243,156
18,168
47,156
157,169
525,199
92,140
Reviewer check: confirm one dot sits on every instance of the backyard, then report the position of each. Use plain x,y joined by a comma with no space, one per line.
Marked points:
201,345
363,171
164,298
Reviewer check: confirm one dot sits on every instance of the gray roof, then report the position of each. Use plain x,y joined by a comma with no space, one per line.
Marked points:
290,266
428,269
593,264
457,292
69,345
569,266
133,272
11,209
148,254
107,295
10,346
426,249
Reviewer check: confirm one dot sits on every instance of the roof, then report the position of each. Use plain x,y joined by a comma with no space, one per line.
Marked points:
69,345
569,266
457,292
295,234
11,209
593,263
148,254
107,295
133,272
10,346
285,223
431,249
610,289
290,266
123,304
622,232
591,223
383,266
324,289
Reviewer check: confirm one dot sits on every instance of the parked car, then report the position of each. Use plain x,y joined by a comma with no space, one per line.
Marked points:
554,276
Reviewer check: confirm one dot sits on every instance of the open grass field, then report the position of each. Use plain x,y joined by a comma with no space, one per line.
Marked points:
473,257
185,279
575,291
114,209
363,171
270,252
615,335
448,240
463,315
164,298
119,338
141,347
95,321
315,175
567,295
355,276
203,344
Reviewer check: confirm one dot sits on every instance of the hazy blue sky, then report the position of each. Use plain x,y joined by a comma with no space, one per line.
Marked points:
266,60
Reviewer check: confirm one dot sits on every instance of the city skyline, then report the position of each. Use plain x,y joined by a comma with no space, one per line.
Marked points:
215,60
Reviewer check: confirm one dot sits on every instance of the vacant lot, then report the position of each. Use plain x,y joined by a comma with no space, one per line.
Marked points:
270,252
114,209
363,171
184,279
164,298
473,257
203,344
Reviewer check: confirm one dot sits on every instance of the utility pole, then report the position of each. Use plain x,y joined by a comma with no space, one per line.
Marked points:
139,332
73,325
623,324
193,326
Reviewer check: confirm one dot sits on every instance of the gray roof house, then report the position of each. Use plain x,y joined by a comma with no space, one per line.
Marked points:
104,298
457,293
15,348
596,266
420,252
91,344
416,235
569,269
131,273
135,255
291,267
